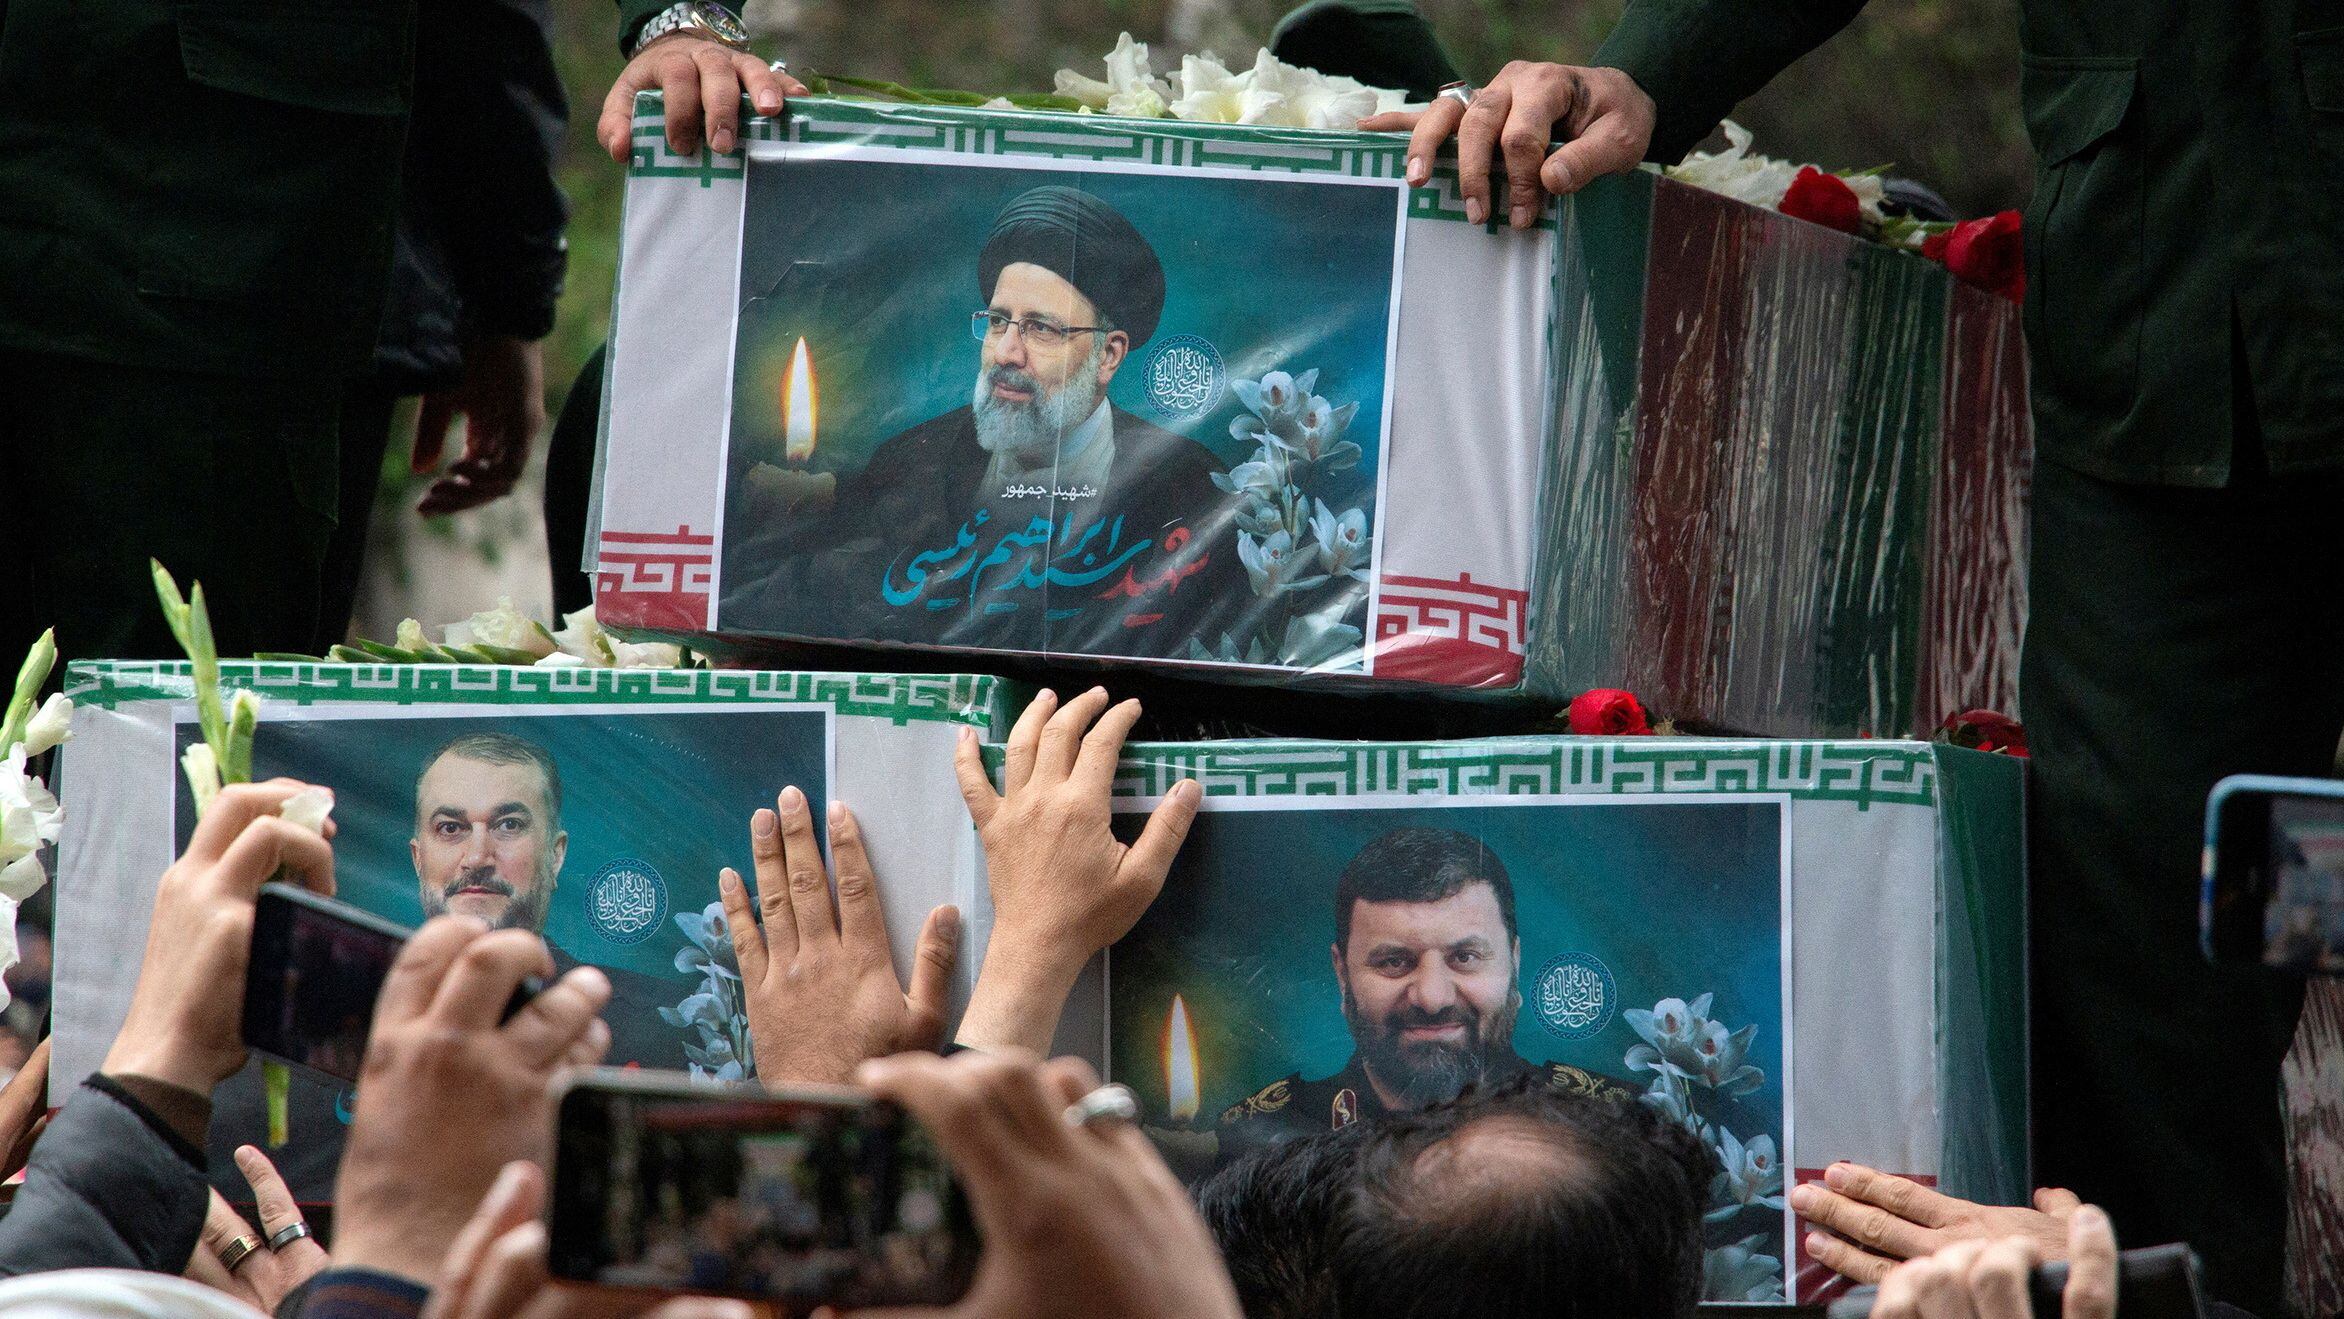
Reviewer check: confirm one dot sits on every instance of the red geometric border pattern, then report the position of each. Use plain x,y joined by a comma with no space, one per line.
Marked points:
1454,631
656,579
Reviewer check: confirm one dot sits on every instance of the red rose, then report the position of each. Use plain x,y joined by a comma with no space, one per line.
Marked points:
1985,730
1608,712
1933,246
1990,254
1825,199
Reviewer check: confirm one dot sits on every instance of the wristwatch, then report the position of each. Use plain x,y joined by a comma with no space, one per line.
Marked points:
712,21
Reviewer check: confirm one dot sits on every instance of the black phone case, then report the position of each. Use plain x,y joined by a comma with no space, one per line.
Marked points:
2158,1282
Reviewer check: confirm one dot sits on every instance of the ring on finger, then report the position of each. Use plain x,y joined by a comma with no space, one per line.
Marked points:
779,66
1460,92
288,1234
238,1251
1108,1103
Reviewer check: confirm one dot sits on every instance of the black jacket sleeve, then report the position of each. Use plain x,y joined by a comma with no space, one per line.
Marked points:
488,120
1697,59
108,1187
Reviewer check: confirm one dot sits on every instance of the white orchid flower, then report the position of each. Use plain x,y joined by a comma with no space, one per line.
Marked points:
30,818
49,726
505,627
1747,1175
1255,479
203,774
309,808
1342,540
1267,561
1740,1273
1319,641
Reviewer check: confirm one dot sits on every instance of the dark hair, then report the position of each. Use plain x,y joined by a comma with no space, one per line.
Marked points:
1273,1211
1420,865
1524,1201
504,749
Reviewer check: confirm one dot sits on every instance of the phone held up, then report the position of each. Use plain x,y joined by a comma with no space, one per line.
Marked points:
317,966
804,1196
2160,1282
2273,889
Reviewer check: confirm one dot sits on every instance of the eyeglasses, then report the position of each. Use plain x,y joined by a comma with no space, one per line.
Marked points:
987,325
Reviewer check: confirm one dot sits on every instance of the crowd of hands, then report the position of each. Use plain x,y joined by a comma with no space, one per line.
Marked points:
443,1183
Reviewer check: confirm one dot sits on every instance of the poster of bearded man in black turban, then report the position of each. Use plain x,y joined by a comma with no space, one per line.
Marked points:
1042,462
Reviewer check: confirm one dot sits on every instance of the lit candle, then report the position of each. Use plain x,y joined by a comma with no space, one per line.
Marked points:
798,408
1180,1089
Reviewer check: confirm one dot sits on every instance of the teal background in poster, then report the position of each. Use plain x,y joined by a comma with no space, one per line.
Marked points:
874,264
672,788
1676,898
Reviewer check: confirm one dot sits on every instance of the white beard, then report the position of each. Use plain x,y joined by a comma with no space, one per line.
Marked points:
1029,433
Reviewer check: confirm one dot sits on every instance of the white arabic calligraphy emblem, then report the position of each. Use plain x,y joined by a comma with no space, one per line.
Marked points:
626,901
1575,996
1185,376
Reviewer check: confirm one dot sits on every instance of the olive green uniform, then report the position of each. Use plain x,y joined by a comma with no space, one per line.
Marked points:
1291,1106
2185,325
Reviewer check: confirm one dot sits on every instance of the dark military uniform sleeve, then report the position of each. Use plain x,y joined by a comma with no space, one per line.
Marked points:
1697,59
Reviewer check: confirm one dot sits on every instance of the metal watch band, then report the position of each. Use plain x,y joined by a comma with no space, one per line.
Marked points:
712,21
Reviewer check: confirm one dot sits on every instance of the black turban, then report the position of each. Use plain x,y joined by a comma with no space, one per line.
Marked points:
1085,242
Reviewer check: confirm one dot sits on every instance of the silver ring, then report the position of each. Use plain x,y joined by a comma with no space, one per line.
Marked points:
779,66
288,1234
1460,92
236,1252
1107,1103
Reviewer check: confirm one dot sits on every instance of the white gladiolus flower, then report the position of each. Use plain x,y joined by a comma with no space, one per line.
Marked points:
1735,173
1209,93
562,659
646,655
50,725
8,953
1870,192
22,878
580,638
1309,99
30,818
503,626
203,774
1090,91
411,636
1272,92
309,808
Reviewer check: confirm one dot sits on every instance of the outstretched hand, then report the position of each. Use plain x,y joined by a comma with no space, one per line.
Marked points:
1872,1221
1603,117
819,979
1064,886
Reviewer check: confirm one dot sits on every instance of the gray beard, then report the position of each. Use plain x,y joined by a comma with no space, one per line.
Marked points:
1029,433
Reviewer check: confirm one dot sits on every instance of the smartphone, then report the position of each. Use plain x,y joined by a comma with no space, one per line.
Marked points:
2159,1282
317,965
2274,873
802,1196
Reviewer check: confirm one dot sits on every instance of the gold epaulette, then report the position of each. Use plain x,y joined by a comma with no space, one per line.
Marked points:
1269,1099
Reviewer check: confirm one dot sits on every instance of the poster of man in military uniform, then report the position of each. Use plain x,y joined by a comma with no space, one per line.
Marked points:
1313,962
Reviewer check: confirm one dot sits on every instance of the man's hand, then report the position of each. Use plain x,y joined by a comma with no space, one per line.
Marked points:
1880,1220
448,1096
819,979
262,1277
186,1021
1064,886
502,402
496,1269
1076,1220
702,81
1604,118
1988,1279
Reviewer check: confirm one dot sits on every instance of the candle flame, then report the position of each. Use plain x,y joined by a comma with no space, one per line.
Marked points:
1180,1063
798,407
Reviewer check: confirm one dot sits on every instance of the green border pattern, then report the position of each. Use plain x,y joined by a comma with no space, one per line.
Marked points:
1057,136
900,698
1865,773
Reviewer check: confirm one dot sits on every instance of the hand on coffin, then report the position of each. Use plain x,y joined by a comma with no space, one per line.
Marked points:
1988,1279
1873,1220
819,980
186,1020
1603,117
502,401
497,1268
1064,886
448,1096
702,80
1076,1219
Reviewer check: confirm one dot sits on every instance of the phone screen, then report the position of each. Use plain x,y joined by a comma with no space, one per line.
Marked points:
309,996
2303,919
841,1202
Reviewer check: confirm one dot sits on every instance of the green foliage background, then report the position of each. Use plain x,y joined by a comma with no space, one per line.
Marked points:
1930,86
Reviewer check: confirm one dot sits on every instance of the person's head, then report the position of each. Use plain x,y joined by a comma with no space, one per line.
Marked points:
1522,1202
1070,288
488,830
1427,957
1273,1213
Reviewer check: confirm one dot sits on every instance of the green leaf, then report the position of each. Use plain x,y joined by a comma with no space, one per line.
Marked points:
389,654
205,654
37,663
174,605
1045,101
243,717
350,655
286,657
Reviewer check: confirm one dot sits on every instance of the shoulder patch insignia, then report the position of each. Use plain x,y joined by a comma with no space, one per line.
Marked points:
1269,1099
1574,1081
1345,1110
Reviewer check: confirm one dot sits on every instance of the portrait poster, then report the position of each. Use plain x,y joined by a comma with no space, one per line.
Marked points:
1653,963
612,857
1102,408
